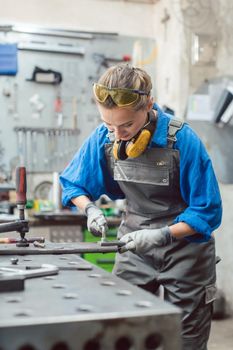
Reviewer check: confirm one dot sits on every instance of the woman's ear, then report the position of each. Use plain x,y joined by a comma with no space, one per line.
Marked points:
150,103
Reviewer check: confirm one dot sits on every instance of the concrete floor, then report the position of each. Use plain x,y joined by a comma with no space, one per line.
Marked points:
221,335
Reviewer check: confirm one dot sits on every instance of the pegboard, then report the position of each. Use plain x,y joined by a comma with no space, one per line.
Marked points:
28,105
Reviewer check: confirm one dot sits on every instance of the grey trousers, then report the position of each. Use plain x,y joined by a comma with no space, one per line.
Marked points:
187,273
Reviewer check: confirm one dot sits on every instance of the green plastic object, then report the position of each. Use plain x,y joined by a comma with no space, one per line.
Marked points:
29,204
108,211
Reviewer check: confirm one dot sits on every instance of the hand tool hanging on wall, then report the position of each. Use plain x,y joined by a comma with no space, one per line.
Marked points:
1,157
37,106
105,61
20,147
46,76
13,103
58,108
34,149
59,145
47,155
74,112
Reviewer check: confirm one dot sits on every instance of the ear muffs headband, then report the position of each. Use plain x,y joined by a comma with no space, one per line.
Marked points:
137,145
119,150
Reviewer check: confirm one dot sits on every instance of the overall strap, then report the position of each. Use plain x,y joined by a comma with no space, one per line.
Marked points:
174,125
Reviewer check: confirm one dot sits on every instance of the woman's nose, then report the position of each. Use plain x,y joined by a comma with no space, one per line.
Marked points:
118,133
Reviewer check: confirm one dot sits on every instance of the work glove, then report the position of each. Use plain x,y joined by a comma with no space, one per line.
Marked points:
96,222
141,242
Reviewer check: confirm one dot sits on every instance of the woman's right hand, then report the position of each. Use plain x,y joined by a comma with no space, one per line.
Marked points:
96,222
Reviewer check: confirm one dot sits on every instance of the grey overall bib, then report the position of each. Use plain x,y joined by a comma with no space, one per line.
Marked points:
185,269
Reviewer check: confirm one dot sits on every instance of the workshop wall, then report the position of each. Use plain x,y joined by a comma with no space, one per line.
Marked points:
48,121
224,245
209,45
207,54
194,45
94,15
78,71
171,61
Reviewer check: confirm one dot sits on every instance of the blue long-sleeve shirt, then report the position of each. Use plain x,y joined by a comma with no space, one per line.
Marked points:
87,174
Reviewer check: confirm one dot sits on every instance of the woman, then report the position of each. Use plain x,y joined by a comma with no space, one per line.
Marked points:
173,202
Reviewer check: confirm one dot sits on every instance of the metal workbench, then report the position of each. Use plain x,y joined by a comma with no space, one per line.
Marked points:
80,307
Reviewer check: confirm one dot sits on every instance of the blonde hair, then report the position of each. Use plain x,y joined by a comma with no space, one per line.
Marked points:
125,76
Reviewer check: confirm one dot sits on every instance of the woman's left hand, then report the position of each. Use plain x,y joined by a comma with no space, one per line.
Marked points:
142,241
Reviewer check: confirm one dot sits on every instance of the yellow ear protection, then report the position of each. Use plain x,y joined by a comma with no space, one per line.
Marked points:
137,145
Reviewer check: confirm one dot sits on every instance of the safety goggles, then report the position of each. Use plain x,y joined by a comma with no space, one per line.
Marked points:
121,96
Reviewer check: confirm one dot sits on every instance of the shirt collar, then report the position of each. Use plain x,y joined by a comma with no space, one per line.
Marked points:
160,135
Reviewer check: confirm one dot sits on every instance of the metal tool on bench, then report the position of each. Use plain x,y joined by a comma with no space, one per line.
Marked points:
20,225
8,240
12,279
44,270
113,243
60,248
104,242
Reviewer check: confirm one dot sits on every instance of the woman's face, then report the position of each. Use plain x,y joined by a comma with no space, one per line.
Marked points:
124,122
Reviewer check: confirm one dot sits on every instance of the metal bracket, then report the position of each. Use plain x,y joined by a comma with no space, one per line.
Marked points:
44,270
